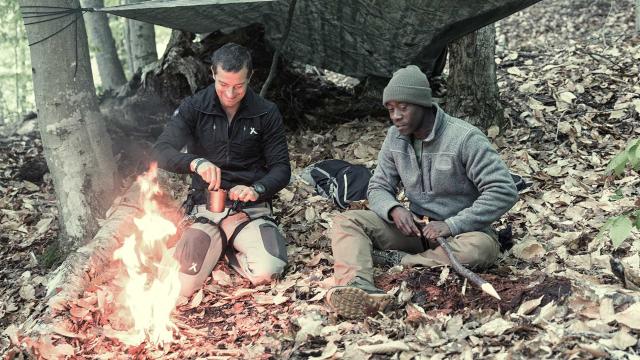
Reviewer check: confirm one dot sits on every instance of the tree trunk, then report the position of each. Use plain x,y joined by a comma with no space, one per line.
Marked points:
109,66
77,146
637,16
472,86
141,42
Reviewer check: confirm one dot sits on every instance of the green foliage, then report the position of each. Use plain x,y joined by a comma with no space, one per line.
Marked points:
631,156
619,228
16,89
51,256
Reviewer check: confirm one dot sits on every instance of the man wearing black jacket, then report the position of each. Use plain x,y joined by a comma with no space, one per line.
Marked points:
235,141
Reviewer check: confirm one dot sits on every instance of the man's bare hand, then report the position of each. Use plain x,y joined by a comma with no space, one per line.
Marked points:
243,193
404,221
435,229
209,173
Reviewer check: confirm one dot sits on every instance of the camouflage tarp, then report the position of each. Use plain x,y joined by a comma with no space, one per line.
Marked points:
356,37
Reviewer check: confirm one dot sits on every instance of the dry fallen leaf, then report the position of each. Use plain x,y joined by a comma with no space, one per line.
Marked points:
78,312
529,250
286,195
196,299
310,324
528,306
221,277
443,276
27,292
493,132
385,348
546,313
266,299
494,327
567,97
630,316
415,314
310,214
43,225
607,313
327,353
63,350
621,340
12,332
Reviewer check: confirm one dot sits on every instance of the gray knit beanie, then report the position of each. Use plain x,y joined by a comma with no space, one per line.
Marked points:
408,85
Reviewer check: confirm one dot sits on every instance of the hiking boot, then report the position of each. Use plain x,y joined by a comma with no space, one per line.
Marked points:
358,299
387,258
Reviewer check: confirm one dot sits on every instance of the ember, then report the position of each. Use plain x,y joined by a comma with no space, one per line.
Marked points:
150,284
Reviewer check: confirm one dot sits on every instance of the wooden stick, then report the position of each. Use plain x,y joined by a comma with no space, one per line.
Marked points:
460,269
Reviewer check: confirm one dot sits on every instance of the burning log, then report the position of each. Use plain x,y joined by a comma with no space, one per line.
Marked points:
134,235
82,266
87,264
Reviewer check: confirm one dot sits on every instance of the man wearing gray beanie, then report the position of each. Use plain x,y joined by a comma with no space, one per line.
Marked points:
452,177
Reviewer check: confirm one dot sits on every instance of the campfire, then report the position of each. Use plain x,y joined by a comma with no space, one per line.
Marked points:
149,280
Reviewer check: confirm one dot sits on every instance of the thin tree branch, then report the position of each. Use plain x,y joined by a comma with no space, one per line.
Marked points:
276,55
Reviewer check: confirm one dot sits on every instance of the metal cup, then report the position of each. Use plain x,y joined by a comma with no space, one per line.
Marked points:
217,200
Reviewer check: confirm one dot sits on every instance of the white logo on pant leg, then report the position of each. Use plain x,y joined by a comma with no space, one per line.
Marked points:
253,131
194,267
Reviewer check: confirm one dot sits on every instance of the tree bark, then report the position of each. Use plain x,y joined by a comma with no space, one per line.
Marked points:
472,86
104,47
77,146
141,42
637,16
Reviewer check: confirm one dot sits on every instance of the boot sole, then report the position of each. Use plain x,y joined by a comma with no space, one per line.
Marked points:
354,303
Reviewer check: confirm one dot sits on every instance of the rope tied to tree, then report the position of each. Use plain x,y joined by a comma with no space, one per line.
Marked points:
52,15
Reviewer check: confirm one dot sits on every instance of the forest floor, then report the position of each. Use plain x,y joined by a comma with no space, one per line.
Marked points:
569,78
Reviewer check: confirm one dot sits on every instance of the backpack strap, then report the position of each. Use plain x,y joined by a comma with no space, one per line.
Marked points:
204,220
230,251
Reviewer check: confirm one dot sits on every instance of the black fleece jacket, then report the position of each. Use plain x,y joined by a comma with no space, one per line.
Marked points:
250,149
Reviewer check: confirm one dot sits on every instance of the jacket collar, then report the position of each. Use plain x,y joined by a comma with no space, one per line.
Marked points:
437,127
207,101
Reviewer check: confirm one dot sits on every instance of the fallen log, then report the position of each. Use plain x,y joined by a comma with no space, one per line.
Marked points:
89,264
82,266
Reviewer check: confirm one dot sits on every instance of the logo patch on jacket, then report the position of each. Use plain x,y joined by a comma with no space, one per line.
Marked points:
253,131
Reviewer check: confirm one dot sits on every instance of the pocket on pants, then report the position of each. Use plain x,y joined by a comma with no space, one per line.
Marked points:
273,241
191,250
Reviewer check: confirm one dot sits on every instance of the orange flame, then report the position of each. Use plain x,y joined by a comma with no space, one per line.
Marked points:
151,284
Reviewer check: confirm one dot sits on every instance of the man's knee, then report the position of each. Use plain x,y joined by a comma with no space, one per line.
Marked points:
263,252
191,250
477,249
347,222
197,252
266,270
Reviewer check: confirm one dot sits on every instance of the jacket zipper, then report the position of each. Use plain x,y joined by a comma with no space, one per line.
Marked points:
229,130
229,124
429,187
421,175
419,164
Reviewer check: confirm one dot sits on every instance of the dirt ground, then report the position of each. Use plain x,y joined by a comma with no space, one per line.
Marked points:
568,73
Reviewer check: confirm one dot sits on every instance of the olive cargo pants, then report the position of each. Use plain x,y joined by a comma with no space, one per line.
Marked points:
354,233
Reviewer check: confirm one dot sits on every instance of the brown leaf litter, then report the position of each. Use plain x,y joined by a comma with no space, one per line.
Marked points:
568,74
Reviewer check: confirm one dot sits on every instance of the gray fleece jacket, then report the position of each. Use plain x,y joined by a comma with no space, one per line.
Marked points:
462,179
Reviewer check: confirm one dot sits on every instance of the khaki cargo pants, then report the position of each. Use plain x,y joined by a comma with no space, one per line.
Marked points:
259,250
354,233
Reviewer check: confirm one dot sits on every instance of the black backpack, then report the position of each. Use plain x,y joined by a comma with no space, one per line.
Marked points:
521,183
338,180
